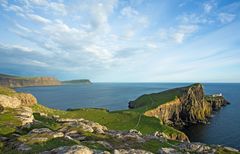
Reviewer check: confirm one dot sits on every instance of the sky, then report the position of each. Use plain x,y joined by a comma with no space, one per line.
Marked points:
122,40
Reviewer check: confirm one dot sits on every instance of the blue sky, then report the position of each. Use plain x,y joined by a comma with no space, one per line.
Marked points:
122,40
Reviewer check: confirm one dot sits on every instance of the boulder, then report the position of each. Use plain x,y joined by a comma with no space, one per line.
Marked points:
26,99
9,102
25,115
76,149
24,148
131,151
168,151
197,147
134,131
40,131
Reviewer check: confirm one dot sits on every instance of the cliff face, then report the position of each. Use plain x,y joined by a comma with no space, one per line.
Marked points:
189,107
12,81
216,102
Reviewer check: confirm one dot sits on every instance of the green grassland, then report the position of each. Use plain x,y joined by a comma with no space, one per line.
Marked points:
151,101
118,120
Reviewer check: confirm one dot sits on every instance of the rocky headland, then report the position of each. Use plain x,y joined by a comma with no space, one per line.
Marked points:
181,106
79,81
16,81
28,127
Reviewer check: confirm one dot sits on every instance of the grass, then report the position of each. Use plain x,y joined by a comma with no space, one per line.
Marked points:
225,151
150,101
119,120
45,122
7,91
155,145
51,144
8,122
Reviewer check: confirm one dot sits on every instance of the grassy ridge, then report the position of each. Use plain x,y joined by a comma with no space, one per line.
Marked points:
150,101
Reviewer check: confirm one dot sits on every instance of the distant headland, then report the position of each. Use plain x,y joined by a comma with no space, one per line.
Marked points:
78,81
13,81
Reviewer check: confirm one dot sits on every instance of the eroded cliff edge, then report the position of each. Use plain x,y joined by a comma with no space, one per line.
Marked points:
180,106
16,81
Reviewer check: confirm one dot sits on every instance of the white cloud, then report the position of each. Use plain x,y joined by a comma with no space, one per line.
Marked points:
22,28
16,48
183,31
207,8
53,7
38,2
129,12
38,19
59,7
226,17
152,45
22,48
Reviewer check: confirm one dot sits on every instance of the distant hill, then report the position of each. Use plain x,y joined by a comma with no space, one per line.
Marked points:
79,81
19,81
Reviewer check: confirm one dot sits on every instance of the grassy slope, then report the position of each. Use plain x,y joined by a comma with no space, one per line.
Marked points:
7,91
14,77
150,101
119,120
8,122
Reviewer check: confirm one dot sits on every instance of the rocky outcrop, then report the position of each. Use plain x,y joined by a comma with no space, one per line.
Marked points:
26,99
189,106
15,81
17,100
177,137
9,102
76,149
131,151
25,115
217,102
80,125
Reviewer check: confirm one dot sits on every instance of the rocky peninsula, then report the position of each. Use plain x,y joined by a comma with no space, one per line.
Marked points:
79,81
28,127
17,81
180,106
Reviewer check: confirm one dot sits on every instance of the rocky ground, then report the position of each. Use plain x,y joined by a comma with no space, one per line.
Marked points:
25,130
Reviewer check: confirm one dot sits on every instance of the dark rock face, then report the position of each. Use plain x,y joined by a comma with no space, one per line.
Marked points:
190,107
216,102
8,81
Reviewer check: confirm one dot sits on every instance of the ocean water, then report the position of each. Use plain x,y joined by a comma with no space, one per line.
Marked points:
224,127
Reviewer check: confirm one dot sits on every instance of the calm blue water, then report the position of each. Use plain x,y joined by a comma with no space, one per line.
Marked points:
224,128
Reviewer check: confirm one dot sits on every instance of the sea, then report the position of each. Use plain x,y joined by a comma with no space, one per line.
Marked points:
224,126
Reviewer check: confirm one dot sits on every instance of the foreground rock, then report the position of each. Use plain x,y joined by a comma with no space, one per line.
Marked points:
76,149
17,100
25,115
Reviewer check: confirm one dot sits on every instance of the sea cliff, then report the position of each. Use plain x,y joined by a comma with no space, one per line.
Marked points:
16,81
184,106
